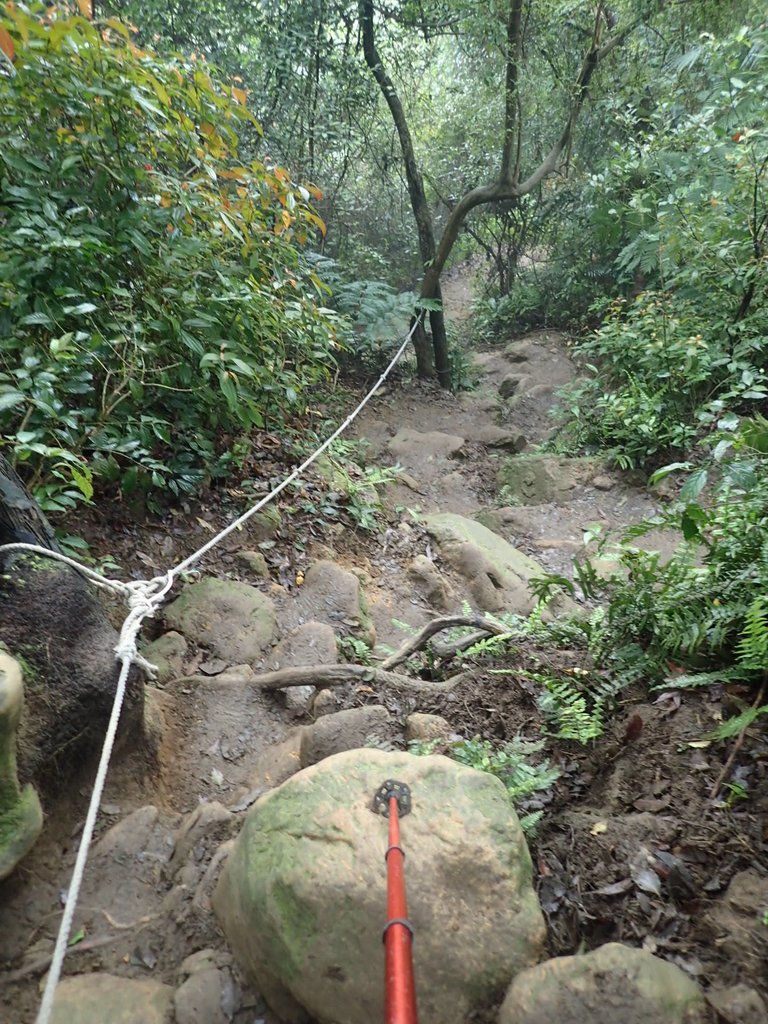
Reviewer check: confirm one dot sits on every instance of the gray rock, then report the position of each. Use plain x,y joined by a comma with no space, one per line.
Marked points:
422,728
325,703
167,654
538,479
497,437
200,999
204,828
512,383
603,482
424,445
738,1004
235,621
313,643
130,836
436,588
613,983
21,816
302,898
263,525
276,762
333,595
519,352
345,730
255,561
109,999
496,572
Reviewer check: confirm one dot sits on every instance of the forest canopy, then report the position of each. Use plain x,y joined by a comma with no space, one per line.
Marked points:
205,207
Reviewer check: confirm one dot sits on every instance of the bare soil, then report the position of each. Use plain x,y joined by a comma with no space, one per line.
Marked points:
631,848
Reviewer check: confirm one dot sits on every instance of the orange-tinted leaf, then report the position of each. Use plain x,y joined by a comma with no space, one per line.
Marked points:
86,8
6,44
240,95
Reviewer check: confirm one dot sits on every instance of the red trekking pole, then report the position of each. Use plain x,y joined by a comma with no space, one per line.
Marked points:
393,800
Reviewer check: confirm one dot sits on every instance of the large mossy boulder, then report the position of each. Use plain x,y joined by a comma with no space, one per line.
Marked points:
538,479
21,816
496,572
234,620
615,983
302,899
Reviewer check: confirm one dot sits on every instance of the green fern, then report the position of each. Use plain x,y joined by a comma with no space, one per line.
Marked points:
752,648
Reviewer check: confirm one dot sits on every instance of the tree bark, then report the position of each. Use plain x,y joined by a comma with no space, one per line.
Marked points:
21,520
418,198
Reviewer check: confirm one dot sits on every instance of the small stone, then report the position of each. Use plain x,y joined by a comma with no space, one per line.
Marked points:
424,445
410,482
346,730
612,983
276,763
234,620
198,999
437,590
511,384
738,1004
603,483
203,960
325,703
422,728
129,837
255,561
313,643
298,698
167,654
98,998
518,352
263,525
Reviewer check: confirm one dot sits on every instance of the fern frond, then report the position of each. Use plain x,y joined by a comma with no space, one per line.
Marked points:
752,648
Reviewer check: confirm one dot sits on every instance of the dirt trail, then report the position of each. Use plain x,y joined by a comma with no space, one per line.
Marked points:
145,903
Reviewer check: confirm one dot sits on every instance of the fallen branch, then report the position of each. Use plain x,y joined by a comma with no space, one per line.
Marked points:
485,627
324,676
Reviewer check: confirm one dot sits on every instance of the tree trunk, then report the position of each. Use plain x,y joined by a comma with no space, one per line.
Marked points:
419,204
21,520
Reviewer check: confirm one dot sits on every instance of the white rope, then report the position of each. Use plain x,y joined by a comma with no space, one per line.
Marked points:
144,598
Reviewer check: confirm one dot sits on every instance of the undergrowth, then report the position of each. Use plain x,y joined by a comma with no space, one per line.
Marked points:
511,762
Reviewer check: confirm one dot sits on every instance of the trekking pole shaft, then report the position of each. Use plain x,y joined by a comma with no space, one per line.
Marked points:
400,1001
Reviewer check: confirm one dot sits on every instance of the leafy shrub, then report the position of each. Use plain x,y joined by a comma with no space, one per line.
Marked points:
702,612
153,301
510,762
691,203
379,315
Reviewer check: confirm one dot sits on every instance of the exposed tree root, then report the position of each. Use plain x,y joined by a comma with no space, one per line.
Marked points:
484,627
324,676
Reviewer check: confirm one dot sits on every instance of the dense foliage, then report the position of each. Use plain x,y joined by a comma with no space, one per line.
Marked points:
154,304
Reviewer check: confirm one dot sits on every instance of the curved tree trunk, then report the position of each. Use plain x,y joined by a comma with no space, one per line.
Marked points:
419,204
